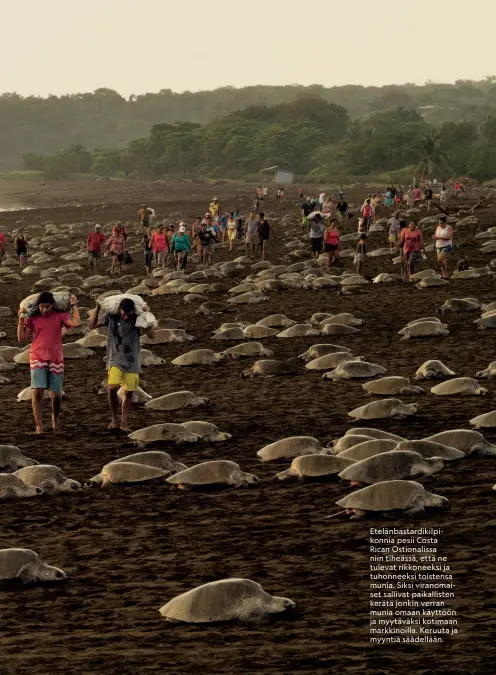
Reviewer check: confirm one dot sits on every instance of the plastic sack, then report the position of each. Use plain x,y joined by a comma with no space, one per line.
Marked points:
29,305
145,318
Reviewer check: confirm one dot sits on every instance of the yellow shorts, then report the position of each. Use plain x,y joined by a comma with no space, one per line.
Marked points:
127,380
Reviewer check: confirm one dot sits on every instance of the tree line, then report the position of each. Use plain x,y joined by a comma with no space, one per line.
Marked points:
310,136
105,119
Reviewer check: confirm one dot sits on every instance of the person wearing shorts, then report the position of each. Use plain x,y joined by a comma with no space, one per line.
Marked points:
443,237
123,357
394,230
160,246
46,356
116,245
412,241
416,197
251,234
332,242
317,228
428,194
21,247
204,237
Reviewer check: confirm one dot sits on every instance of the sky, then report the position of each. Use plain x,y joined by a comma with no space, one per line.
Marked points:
137,46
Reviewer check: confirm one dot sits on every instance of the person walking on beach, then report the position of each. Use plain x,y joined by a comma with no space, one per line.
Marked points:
251,234
116,245
180,247
443,236
123,357
3,245
360,253
96,239
412,240
21,247
332,242
317,227
264,232
159,246
46,356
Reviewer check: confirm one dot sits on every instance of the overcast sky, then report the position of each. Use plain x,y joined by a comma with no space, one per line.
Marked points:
137,46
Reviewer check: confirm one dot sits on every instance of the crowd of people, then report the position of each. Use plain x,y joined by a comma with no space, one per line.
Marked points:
321,216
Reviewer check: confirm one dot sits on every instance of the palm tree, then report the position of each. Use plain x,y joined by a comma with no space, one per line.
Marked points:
431,155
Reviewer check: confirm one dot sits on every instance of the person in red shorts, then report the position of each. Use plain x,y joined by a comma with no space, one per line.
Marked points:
46,356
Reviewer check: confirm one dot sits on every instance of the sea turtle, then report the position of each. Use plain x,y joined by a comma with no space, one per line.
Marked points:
139,396
422,319
207,431
242,288
485,323
5,366
424,274
386,278
433,370
367,448
247,349
255,332
250,298
338,445
25,565
459,305
177,400
276,321
293,446
331,361
316,351
373,433
27,394
167,336
299,330
156,458
197,357
395,465
11,487
269,368
212,307
430,449
164,433
314,466
392,495
9,353
148,358
73,350
214,472
392,407
431,282
48,477
224,600
344,319
317,318
121,472
354,369
487,420
93,340
423,329
233,333
12,459
392,386
338,329
459,386
489,372
468,441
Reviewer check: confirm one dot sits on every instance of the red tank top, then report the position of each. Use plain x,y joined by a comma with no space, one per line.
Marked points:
332,237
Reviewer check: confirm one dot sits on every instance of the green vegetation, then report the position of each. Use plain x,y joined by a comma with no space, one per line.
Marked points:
440,130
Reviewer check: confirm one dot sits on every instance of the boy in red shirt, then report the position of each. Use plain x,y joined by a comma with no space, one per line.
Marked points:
95,242
47,357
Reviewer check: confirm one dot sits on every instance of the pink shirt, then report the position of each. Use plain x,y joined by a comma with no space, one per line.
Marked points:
159,242
47,338
3,241
411,240
367,211
416,193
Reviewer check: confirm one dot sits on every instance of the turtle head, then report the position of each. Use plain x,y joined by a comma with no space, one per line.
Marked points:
245,374
21,462
96,481
220,356
433,464
49,573
250,479
69,485
284,475
278,604
481,391
436,501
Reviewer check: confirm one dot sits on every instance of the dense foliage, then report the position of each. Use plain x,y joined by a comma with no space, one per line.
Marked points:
104,119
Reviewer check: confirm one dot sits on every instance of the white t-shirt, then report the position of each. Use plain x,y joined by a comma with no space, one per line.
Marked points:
442,231
265,191
322,198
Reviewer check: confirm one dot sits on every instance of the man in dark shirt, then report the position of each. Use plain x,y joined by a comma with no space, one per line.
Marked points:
306,209
342,209
204,238
428,197
123,357
264,231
